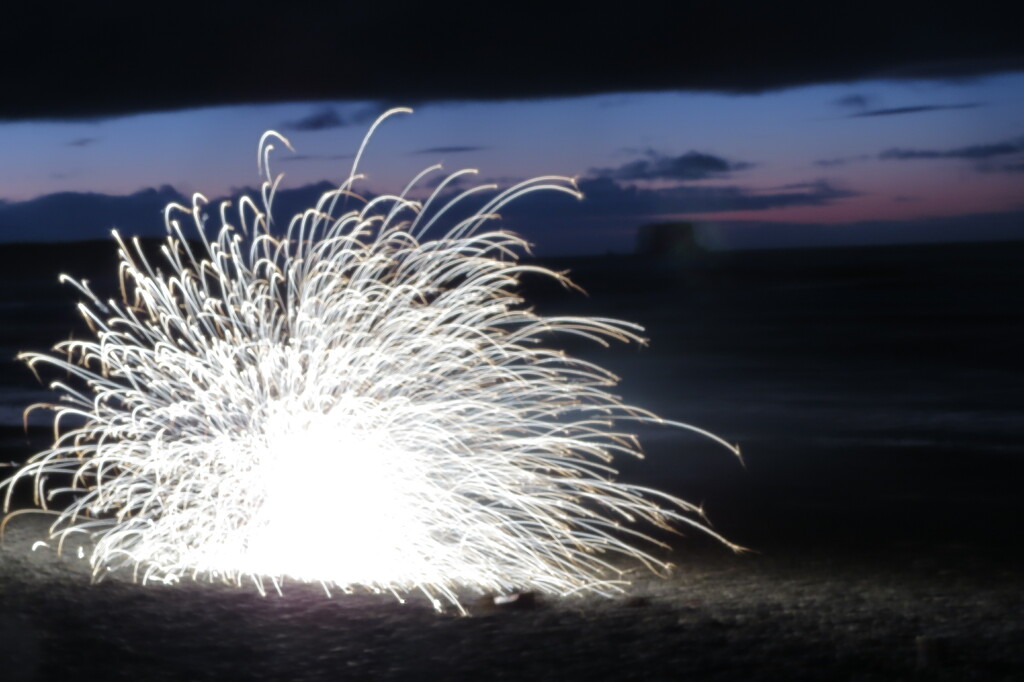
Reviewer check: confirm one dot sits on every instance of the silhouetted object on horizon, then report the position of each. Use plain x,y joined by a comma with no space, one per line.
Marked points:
667,240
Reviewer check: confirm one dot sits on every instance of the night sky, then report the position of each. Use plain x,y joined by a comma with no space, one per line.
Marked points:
815,129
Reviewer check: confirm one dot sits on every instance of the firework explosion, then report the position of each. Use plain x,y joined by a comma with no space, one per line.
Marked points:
349,403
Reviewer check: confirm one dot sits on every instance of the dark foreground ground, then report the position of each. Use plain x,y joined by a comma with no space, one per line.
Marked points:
877,395
829,614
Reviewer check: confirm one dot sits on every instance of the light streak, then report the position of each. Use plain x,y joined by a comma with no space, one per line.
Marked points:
353,403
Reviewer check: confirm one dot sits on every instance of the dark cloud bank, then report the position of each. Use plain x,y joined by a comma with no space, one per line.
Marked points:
692,165
412,51
606,220
80,216
67,216
617,201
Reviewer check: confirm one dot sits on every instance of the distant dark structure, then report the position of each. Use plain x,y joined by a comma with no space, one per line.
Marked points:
667,240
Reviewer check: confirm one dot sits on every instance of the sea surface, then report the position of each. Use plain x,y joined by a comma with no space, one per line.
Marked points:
864,386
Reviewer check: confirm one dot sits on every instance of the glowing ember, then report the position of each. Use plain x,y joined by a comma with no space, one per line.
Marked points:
351,404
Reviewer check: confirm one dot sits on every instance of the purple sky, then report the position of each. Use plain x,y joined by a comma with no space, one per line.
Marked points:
863,162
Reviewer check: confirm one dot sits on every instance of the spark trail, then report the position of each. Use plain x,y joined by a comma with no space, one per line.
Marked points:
362,401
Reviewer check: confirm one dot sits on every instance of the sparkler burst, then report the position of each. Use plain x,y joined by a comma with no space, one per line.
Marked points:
354,402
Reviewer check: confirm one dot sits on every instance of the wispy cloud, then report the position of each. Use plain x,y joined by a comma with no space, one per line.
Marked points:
689,166
327,117
840,161
316,157
321,119
917,109
453,149
1013,167
975,152
854,101
83,141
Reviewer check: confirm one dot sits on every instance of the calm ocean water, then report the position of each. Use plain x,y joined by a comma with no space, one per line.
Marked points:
884,348
876,395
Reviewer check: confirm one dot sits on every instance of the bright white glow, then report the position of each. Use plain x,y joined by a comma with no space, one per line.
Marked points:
351,404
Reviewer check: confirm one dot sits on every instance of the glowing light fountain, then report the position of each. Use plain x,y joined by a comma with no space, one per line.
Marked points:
356,403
